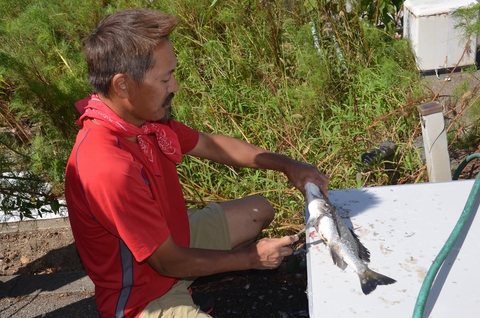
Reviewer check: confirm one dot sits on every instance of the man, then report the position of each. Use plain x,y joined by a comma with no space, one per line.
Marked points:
138,244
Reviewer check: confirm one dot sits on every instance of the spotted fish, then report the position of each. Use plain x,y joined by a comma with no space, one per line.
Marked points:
344,245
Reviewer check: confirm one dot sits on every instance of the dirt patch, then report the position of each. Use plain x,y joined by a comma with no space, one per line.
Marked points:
38,252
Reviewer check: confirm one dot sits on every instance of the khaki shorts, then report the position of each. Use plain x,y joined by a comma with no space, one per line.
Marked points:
208,229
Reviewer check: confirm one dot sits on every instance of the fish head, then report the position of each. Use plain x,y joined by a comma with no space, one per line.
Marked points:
317,209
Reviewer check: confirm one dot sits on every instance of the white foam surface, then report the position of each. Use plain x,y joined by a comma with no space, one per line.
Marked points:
404,227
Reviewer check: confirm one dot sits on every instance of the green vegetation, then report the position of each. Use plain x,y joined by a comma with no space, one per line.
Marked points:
309,79
467,107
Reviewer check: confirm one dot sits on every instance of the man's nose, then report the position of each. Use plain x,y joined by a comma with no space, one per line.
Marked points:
174,86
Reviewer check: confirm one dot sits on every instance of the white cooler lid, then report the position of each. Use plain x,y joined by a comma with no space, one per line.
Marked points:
432,7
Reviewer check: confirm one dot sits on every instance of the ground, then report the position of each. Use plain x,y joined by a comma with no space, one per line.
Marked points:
38,252
270,293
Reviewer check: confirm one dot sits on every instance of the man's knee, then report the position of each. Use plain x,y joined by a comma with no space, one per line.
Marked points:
263,210
246,218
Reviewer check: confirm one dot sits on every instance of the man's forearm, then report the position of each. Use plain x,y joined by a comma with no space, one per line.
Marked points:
273,161
234,152
175,261
193,262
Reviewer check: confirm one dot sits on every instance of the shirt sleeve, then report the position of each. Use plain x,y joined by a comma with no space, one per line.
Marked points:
188,137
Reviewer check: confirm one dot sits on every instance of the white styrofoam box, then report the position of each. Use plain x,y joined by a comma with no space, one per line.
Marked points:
431,29
404,227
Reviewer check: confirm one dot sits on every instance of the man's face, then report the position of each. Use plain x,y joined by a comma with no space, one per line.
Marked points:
151,100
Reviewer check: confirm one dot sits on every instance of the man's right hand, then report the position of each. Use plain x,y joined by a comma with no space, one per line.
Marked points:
268,253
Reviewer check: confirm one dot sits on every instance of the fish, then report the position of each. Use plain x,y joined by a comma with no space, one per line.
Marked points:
344,245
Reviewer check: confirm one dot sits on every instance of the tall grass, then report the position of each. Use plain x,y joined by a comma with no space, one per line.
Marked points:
258,76
248,69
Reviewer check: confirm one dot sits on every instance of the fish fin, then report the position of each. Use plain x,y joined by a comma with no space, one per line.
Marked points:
370,280
336,220
337,260
363,252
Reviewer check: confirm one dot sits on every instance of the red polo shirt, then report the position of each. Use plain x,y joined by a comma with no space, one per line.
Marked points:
120,213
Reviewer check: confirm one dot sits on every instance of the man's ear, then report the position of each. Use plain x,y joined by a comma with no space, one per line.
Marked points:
119,85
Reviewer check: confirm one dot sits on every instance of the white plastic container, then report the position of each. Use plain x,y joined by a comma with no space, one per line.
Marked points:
435,41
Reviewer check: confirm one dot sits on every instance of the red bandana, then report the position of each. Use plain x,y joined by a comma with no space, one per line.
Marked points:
93,107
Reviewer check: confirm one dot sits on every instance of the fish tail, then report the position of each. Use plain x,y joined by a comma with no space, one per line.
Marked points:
370,280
